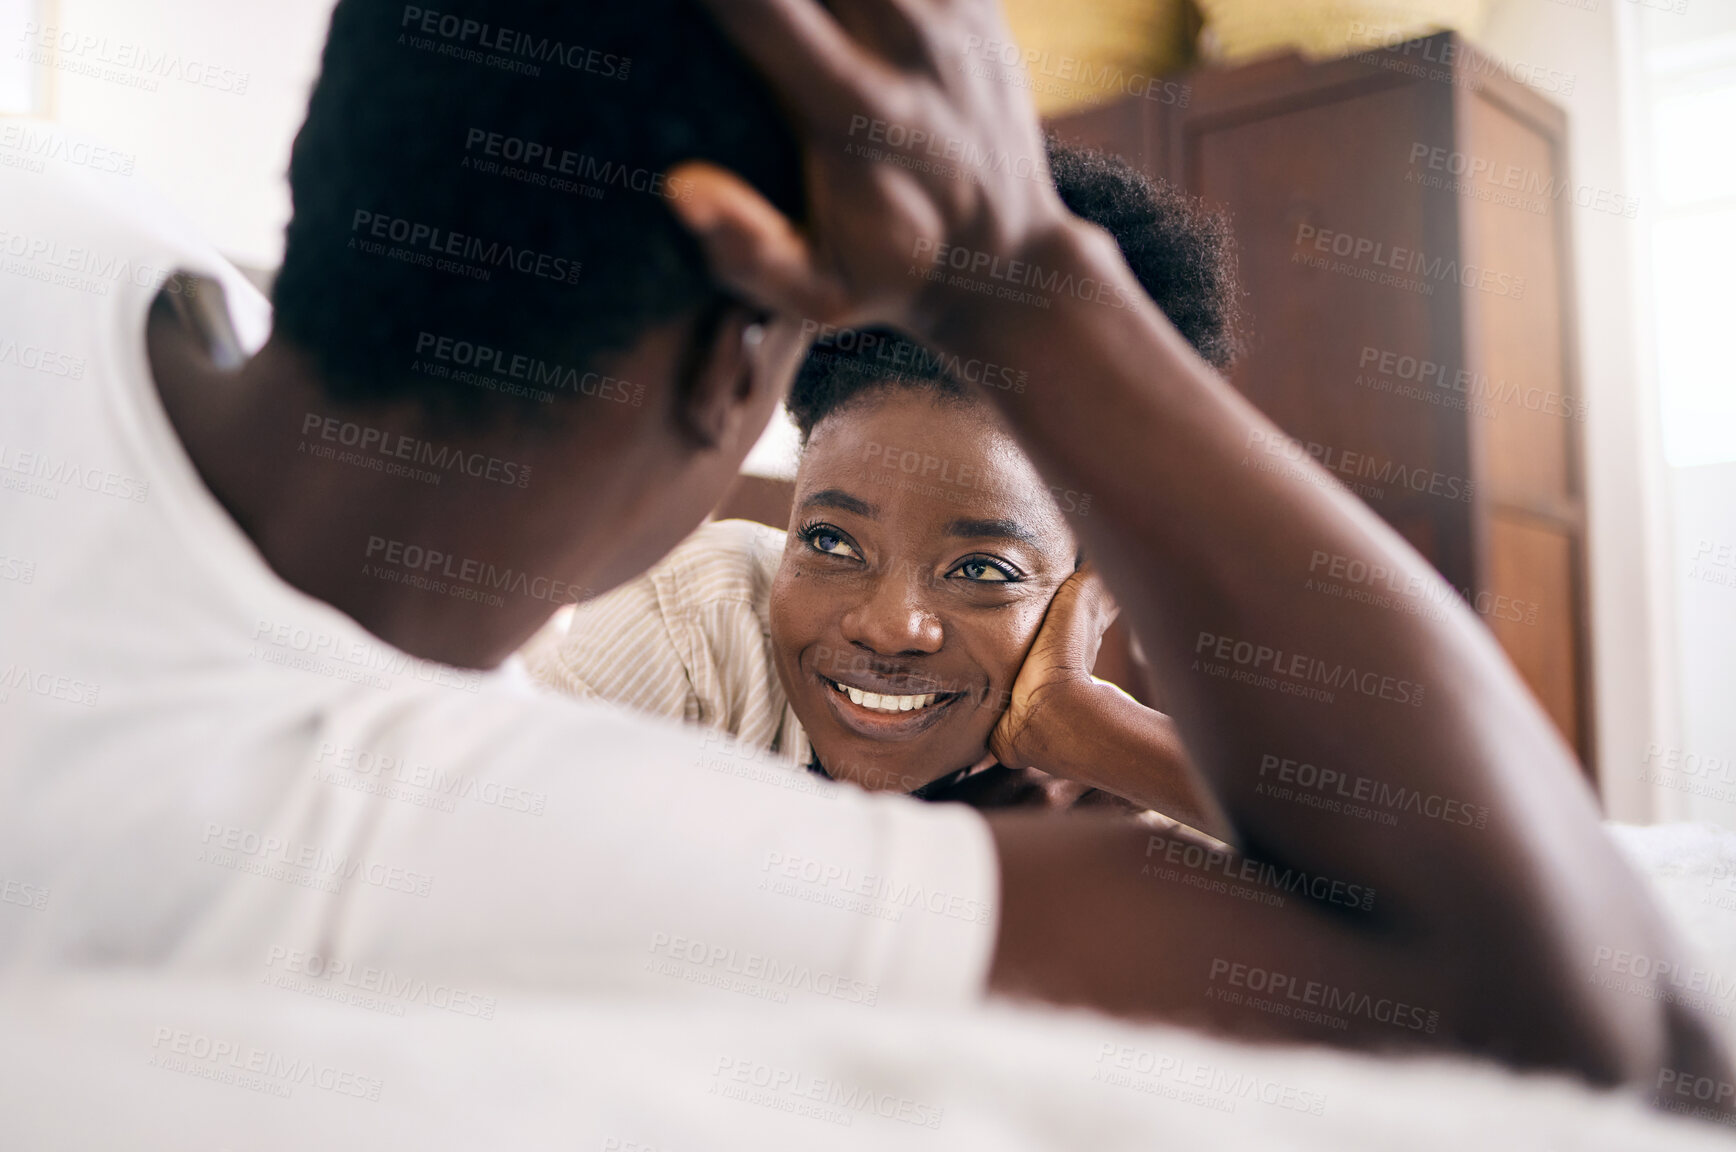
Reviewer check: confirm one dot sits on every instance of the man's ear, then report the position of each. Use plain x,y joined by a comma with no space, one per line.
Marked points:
723,374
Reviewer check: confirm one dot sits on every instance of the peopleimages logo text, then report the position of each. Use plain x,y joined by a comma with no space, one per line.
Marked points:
507,42
398,446
933,256
518,366
1408,261
444,242
1309,669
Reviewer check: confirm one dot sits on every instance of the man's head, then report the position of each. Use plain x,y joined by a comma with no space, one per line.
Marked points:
482,243
924,547
494,174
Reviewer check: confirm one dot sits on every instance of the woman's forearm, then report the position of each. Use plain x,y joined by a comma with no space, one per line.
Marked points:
1208,548
1206,542
1099,735
1208,551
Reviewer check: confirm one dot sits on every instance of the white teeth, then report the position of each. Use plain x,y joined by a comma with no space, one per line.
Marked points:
885,702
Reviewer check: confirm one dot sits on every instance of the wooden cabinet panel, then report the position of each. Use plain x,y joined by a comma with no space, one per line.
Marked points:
1300,172
1529,603
1334,311
1515,332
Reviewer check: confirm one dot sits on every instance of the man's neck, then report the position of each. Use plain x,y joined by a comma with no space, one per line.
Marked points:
446,565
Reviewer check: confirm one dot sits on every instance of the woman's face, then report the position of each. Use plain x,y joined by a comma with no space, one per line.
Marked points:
923,551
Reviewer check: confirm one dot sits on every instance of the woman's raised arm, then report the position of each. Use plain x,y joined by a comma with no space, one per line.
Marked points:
930,209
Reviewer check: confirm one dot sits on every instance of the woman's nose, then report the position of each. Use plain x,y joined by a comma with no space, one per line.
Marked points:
893,618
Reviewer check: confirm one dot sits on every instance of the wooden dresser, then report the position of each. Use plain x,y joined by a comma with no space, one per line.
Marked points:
1402,219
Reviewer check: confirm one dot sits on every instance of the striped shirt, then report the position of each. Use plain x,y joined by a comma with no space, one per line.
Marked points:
689,640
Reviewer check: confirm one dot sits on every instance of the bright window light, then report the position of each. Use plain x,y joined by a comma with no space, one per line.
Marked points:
1695,160
1694,254
1694,247
17,75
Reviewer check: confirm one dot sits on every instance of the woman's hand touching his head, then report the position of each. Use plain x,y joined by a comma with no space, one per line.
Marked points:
913,148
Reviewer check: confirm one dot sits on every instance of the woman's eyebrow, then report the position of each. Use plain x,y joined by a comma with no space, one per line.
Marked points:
843,501
1004,529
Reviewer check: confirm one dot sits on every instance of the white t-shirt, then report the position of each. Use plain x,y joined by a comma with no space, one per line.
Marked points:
202,767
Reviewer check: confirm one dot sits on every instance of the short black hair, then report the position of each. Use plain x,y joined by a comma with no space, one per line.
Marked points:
1182,254
480,207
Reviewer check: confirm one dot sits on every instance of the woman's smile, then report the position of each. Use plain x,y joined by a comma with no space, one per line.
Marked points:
887,715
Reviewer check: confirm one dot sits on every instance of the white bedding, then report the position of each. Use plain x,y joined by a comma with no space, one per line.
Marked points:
1693,872
77,1072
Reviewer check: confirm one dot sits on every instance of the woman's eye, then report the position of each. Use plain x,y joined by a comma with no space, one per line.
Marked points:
831,543
984,571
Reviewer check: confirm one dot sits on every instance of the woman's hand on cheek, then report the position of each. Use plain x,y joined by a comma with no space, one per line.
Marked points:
1074,739
1056,673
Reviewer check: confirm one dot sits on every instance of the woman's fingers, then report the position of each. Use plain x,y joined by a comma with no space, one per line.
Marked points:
820,74
751,246
1094,591
890,121
1080,613
893,29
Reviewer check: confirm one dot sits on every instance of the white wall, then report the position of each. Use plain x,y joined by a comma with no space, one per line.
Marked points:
1687,53
219,152
1633,638
1702,768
